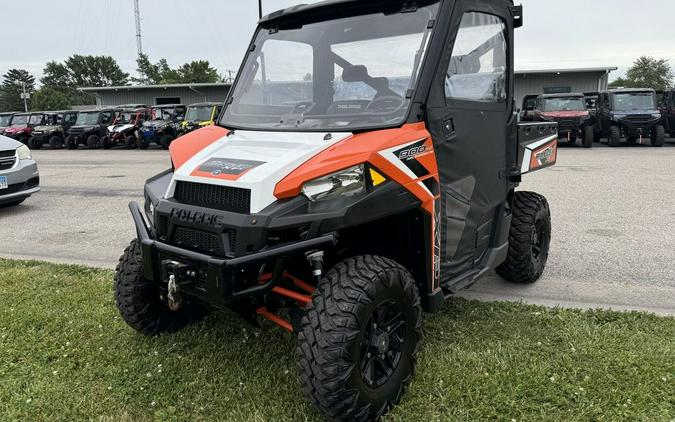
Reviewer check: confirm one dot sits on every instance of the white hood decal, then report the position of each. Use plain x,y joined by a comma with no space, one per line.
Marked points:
276,155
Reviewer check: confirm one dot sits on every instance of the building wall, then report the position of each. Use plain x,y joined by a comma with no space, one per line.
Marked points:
150,96
536,83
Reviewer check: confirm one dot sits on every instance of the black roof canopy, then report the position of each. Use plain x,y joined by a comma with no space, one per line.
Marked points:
334,9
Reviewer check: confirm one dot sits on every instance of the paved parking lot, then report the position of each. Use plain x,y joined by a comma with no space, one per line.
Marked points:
613,215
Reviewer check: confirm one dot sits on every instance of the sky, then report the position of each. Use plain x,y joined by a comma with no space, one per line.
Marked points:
557,33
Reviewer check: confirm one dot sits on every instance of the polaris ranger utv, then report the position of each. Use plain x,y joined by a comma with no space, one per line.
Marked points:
631,113
90,128
570,112
201,115
53,131
342,195
164,126
125,128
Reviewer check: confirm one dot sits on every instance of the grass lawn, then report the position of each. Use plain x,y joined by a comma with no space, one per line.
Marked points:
65,354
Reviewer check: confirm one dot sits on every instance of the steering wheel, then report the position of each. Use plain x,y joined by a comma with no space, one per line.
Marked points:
386,103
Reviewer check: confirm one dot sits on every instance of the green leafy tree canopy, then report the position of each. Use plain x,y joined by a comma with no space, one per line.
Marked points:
49,99
12,87
199,71
647,72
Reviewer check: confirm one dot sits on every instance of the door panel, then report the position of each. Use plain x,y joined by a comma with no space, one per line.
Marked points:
469,130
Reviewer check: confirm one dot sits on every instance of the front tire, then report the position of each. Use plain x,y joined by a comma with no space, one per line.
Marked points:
55,142
94,142
659,136
529,239
34,143
139,300
130,142
589,135
71,142
614,139
359,338
165,141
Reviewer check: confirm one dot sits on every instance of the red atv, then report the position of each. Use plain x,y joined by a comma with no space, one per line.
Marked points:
363,170
571,113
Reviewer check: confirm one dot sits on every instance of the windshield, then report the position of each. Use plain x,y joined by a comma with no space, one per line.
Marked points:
20,120
564,104
35,119
199,114
634,101
124,118
4,120
168,113
350,73
84,119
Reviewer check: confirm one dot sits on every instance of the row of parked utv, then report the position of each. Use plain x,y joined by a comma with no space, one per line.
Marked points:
633,115
131,126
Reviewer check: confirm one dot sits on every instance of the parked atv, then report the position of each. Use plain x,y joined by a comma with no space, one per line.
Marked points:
90,128
5,121
22,125
569,111
201,115
164,126
54,131
125,128
342,207
630,113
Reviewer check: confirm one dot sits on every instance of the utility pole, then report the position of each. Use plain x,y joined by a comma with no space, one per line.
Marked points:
139,44
260,15
24,96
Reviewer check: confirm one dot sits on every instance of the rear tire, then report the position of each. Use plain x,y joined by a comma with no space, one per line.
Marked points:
529,239
589,135
94,142
364,309
165,141
138,299
55,142
614,138
659,136
71,142
131,142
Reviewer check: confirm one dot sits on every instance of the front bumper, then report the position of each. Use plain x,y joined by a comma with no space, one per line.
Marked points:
211,279
23,180
639,127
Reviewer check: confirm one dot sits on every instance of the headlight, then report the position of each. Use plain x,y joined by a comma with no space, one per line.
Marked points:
23,152
343,183
656,115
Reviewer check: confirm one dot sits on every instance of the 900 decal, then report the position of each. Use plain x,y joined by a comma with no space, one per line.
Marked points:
411,152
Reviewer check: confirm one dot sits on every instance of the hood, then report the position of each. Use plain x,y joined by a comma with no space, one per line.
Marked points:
635,112
16,129
564,114
46,128
8,143
253,160
120,128
156,123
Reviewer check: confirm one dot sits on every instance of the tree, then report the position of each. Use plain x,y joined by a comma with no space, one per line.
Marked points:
12,87
199,71
47,98
647,72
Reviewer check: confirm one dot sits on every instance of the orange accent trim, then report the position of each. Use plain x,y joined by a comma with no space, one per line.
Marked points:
263,312
302,285
293,295
534,161
356,149
187,146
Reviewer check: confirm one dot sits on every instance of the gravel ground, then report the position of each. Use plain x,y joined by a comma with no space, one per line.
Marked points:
613,213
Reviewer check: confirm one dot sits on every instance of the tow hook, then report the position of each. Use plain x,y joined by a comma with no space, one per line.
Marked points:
173,303
315,259
172,270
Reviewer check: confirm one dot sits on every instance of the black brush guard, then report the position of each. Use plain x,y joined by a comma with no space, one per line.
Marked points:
217,289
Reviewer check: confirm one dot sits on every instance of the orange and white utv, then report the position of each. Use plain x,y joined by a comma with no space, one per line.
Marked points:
363,170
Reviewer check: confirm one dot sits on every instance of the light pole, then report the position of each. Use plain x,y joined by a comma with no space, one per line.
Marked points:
260,9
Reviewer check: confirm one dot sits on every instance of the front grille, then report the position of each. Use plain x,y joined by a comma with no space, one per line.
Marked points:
7,162
10,153
639,118
223,198
196,239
